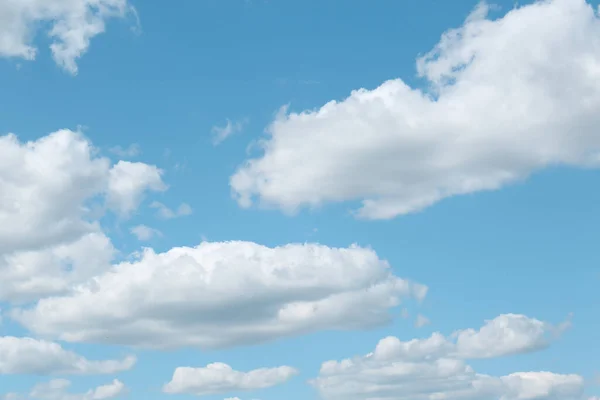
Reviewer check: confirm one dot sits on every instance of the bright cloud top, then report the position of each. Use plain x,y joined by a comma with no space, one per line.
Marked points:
225,294
73,23
219,378
435,368
31,356
505,98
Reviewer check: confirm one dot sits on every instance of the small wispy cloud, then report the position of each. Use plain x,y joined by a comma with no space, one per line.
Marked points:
165,212
145,233
287,81
220,133
131,151
422,321
309,82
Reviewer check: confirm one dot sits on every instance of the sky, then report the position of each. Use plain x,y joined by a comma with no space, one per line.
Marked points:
265,200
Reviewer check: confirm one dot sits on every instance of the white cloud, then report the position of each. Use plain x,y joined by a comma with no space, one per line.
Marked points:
108,391
220,133
49,234
504,335
518,333
221,378
224,294
46,184
27,275
31,356
145,233
56,389
165,212
435,368
127,183
495,112
73,23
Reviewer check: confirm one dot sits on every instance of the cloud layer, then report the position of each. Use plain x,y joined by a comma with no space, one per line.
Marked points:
505,98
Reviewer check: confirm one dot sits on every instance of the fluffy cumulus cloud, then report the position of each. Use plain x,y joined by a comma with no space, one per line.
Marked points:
72,24
221,378
127,183
504,98
52,191
224,294
57,389
435,367
21,355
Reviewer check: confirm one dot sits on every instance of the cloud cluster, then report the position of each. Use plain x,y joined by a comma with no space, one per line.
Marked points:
52,191
435,368
224,294
73,23
499,105
505,98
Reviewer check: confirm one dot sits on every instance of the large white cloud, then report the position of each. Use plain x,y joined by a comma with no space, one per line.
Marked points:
31,356
224,294
505,98
56,389
219,378
52,189
435,368
73,23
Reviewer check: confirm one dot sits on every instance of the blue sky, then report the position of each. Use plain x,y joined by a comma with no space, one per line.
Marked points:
467,165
